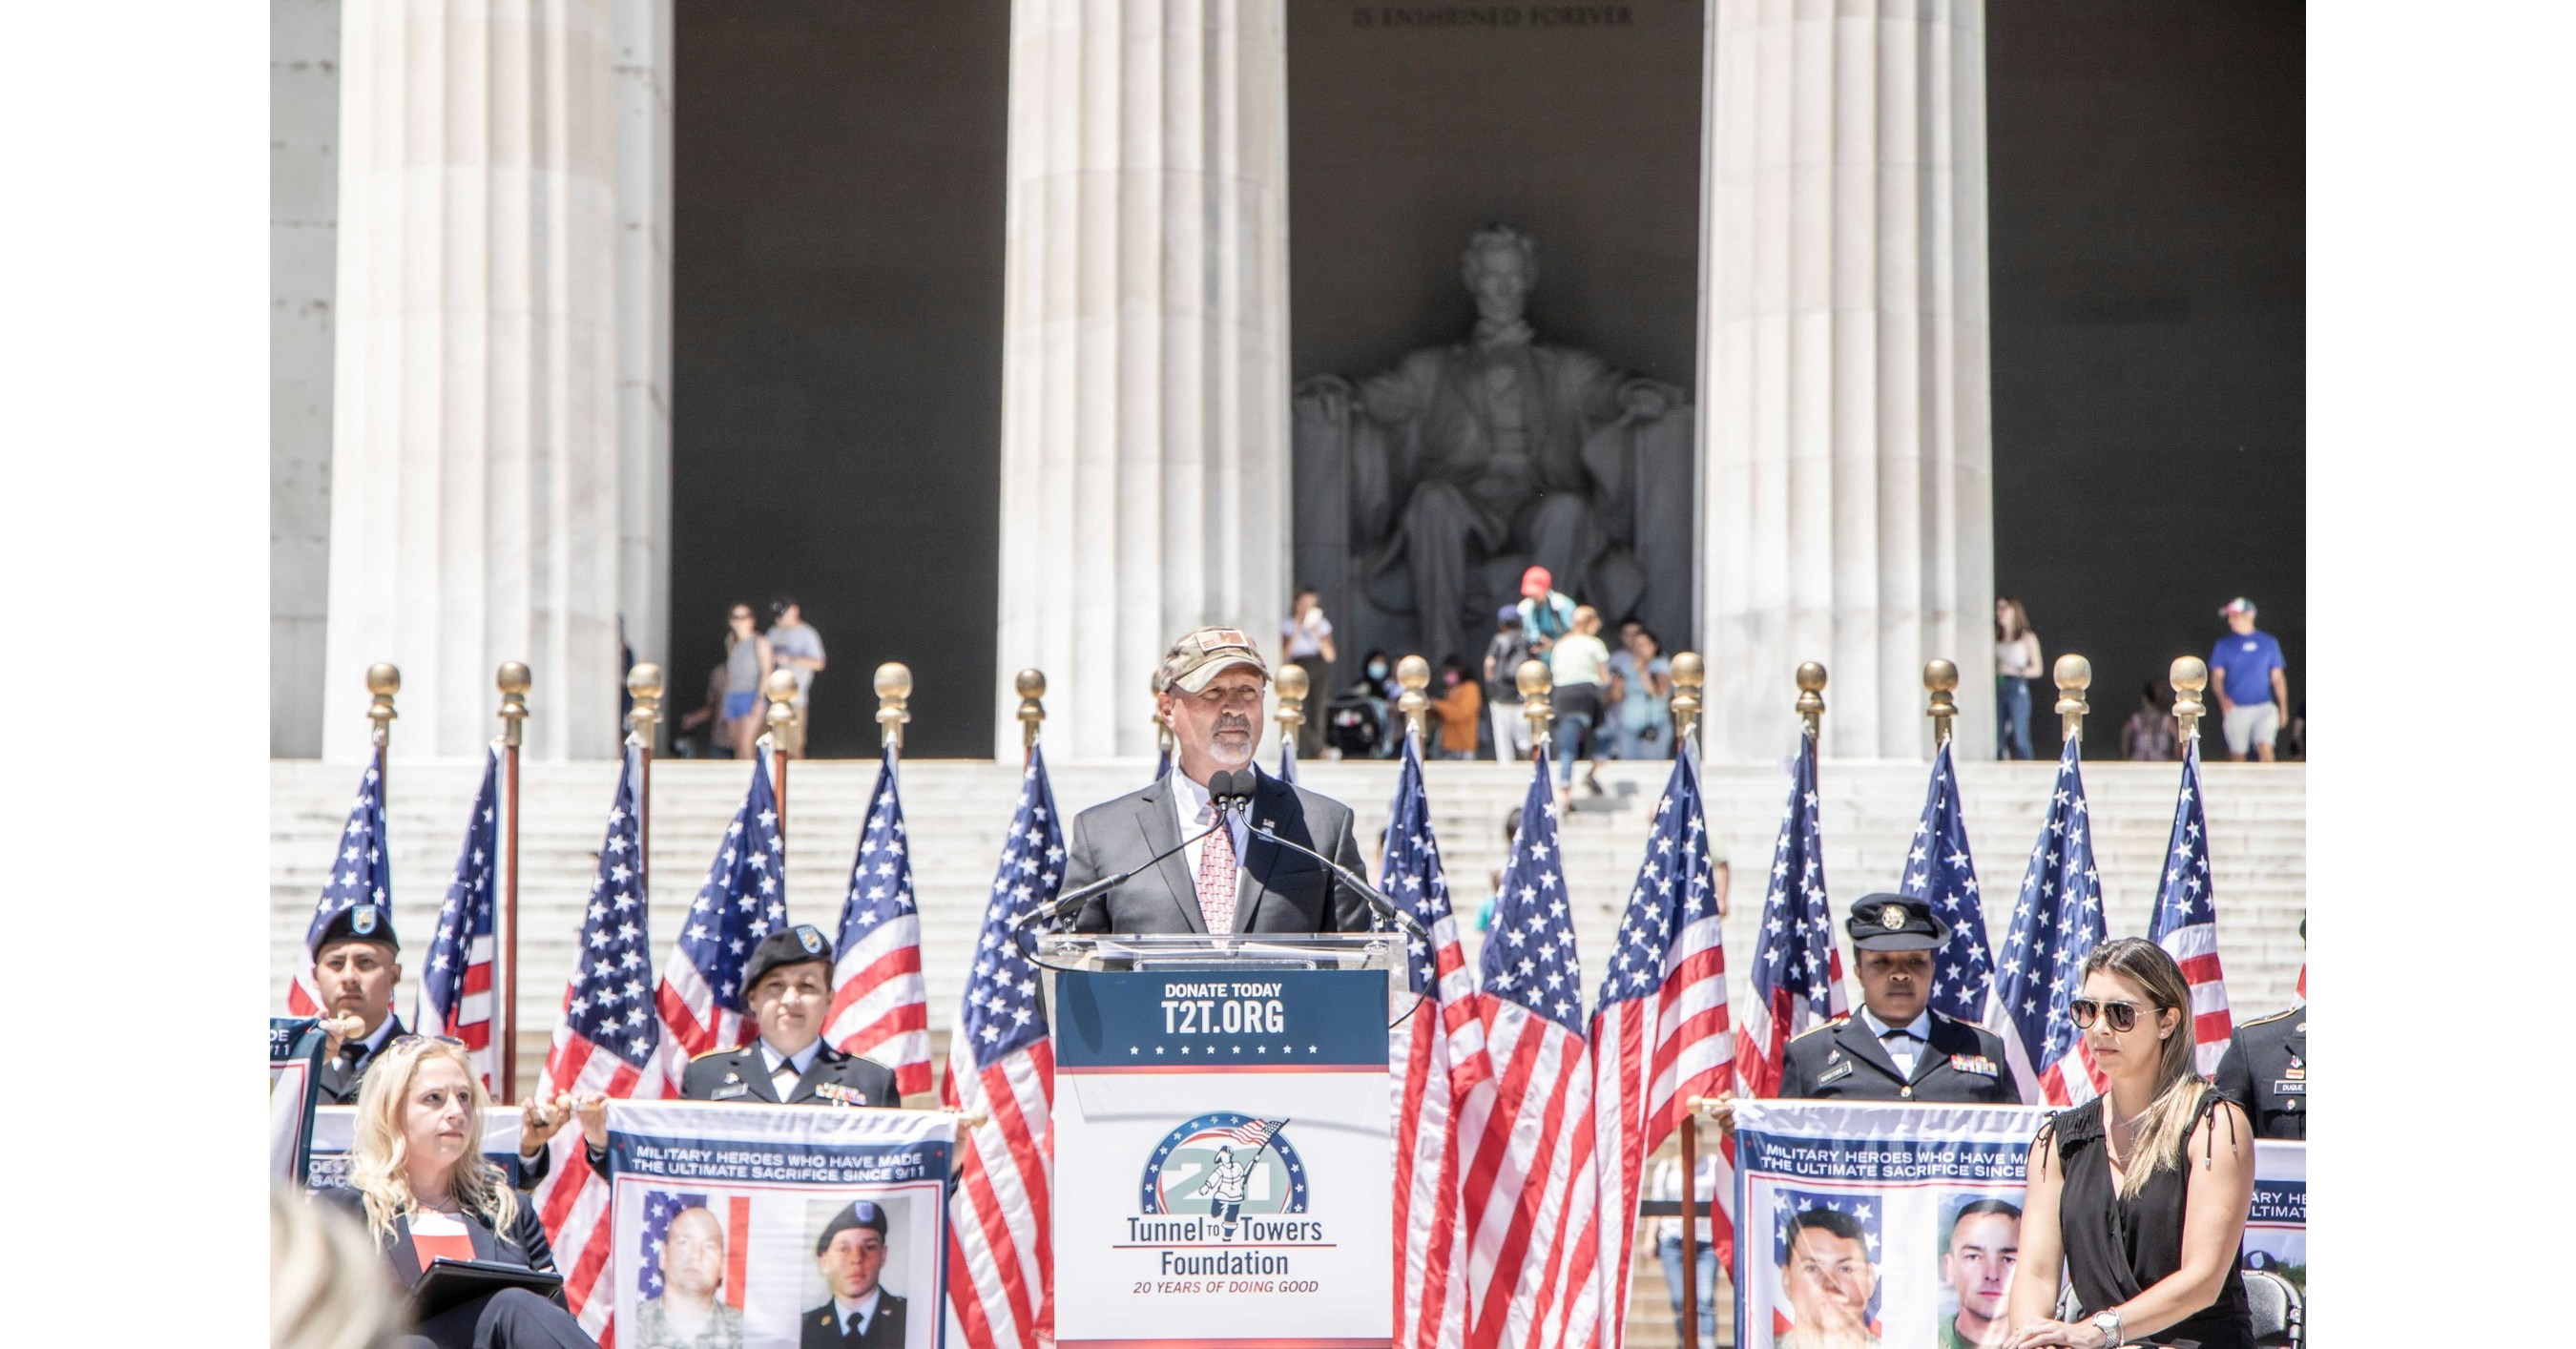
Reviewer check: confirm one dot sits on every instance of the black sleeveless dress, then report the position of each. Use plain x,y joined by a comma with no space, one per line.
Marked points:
2118,1248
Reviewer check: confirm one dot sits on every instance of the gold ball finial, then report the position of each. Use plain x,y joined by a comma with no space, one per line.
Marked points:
1941,680
1292,683
644,685
894,680
513,679
1031,684
1534,679
1412,674
2189,675
1690,675
1689,671
2074,672
894,698
1811,677
1811,697
2074,675
383,680
781,686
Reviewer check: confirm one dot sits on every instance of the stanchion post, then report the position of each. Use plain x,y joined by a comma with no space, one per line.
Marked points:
2189,675
513,680
1690,675
2074,675
1413,674
1032,686
1535,681
1293,687
1941,680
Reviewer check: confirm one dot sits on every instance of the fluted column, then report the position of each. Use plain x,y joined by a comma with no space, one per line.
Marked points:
1849,500
475,496
1145,349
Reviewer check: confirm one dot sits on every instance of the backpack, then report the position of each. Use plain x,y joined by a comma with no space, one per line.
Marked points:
1508,651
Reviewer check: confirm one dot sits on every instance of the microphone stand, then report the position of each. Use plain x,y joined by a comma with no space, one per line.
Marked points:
1237,796
1066,905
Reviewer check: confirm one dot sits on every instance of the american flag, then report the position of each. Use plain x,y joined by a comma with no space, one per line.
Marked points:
1002,1066
1661,1035
880,1006
1256,1134
1531,1191
456,993
1939,869
1797,968
1427,1050
2186,922
2056,923
701,998
662,1208
609,1041
360,874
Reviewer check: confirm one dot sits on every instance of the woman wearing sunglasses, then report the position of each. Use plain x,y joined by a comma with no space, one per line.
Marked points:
2138,1196
418,1180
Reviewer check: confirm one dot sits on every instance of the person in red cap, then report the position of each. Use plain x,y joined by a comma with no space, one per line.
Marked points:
1545,614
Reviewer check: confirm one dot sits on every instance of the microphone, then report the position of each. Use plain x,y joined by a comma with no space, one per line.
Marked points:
1233,791
1072,901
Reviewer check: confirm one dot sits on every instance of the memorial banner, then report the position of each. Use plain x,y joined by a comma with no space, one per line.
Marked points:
1222,1159
2276,1232
1905,1219
334,1134
294,1084
782,1224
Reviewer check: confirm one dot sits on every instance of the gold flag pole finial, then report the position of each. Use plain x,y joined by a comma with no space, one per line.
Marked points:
781,693
1941,680
2189,675
1163,742
1031,684
1811,700
1413,674
644,685
894,703
1536,680
383,682
2074,675
1690,675
514,682
1291,714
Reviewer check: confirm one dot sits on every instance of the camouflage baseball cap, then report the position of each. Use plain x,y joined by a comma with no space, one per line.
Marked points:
1199,656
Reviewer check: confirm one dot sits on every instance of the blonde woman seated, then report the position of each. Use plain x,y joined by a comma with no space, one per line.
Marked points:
2139,1196
418,1180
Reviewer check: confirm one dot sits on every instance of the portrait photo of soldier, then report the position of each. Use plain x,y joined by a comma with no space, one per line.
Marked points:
850,1252
1980,1241
1828,1279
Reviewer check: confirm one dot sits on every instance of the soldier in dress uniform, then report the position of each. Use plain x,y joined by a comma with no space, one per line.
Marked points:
2265,1070
355,968
862,1312
1895,1048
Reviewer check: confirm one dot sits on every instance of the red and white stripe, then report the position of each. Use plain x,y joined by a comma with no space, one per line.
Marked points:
2195,948
1532,1191
692,1021
1762,1042
1652,1054
881,1004
1427,1056
1001,1270
2073,1079
572,1201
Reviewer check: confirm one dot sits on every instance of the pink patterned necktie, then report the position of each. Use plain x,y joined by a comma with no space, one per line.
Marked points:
1216,875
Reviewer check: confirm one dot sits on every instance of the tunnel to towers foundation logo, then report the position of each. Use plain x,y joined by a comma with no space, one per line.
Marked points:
1219,1179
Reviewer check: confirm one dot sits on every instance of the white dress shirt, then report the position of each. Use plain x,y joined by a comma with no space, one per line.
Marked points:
865,1309
1903,1051
1189,809
786,1070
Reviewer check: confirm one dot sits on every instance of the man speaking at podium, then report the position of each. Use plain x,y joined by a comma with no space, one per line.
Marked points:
1232,880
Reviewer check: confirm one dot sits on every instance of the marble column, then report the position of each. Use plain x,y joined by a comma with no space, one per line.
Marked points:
303,195
1145,349
1846,486
475,507
643,30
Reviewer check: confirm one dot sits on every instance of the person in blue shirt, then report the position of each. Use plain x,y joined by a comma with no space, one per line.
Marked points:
2251,681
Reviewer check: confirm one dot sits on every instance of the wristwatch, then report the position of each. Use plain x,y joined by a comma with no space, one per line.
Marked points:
2109,1324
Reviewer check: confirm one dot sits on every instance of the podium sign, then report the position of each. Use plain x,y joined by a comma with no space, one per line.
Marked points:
1222,1157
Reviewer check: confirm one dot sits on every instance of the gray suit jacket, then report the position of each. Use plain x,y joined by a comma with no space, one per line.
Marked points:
1281,890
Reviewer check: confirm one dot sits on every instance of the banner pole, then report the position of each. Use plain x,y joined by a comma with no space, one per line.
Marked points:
514,682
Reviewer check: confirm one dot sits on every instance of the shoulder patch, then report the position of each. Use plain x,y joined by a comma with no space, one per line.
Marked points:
2276,1016
713,1054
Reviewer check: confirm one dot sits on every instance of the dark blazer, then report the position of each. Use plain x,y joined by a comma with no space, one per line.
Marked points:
1841,1061
1281,891
743,1075
2265,1070
524,1243
339,1086
823,1327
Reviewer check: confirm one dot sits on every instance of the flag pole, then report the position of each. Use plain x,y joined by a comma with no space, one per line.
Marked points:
1413,673
1031,684
1811,703
1941,680
1293,689
2189,675
644,686
1535,679
383,682
1690,675
894,706
781,689
2074,675
513,680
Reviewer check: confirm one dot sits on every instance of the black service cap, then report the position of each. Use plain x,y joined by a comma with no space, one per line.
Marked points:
370,922
1894,923
787,946
860,1213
